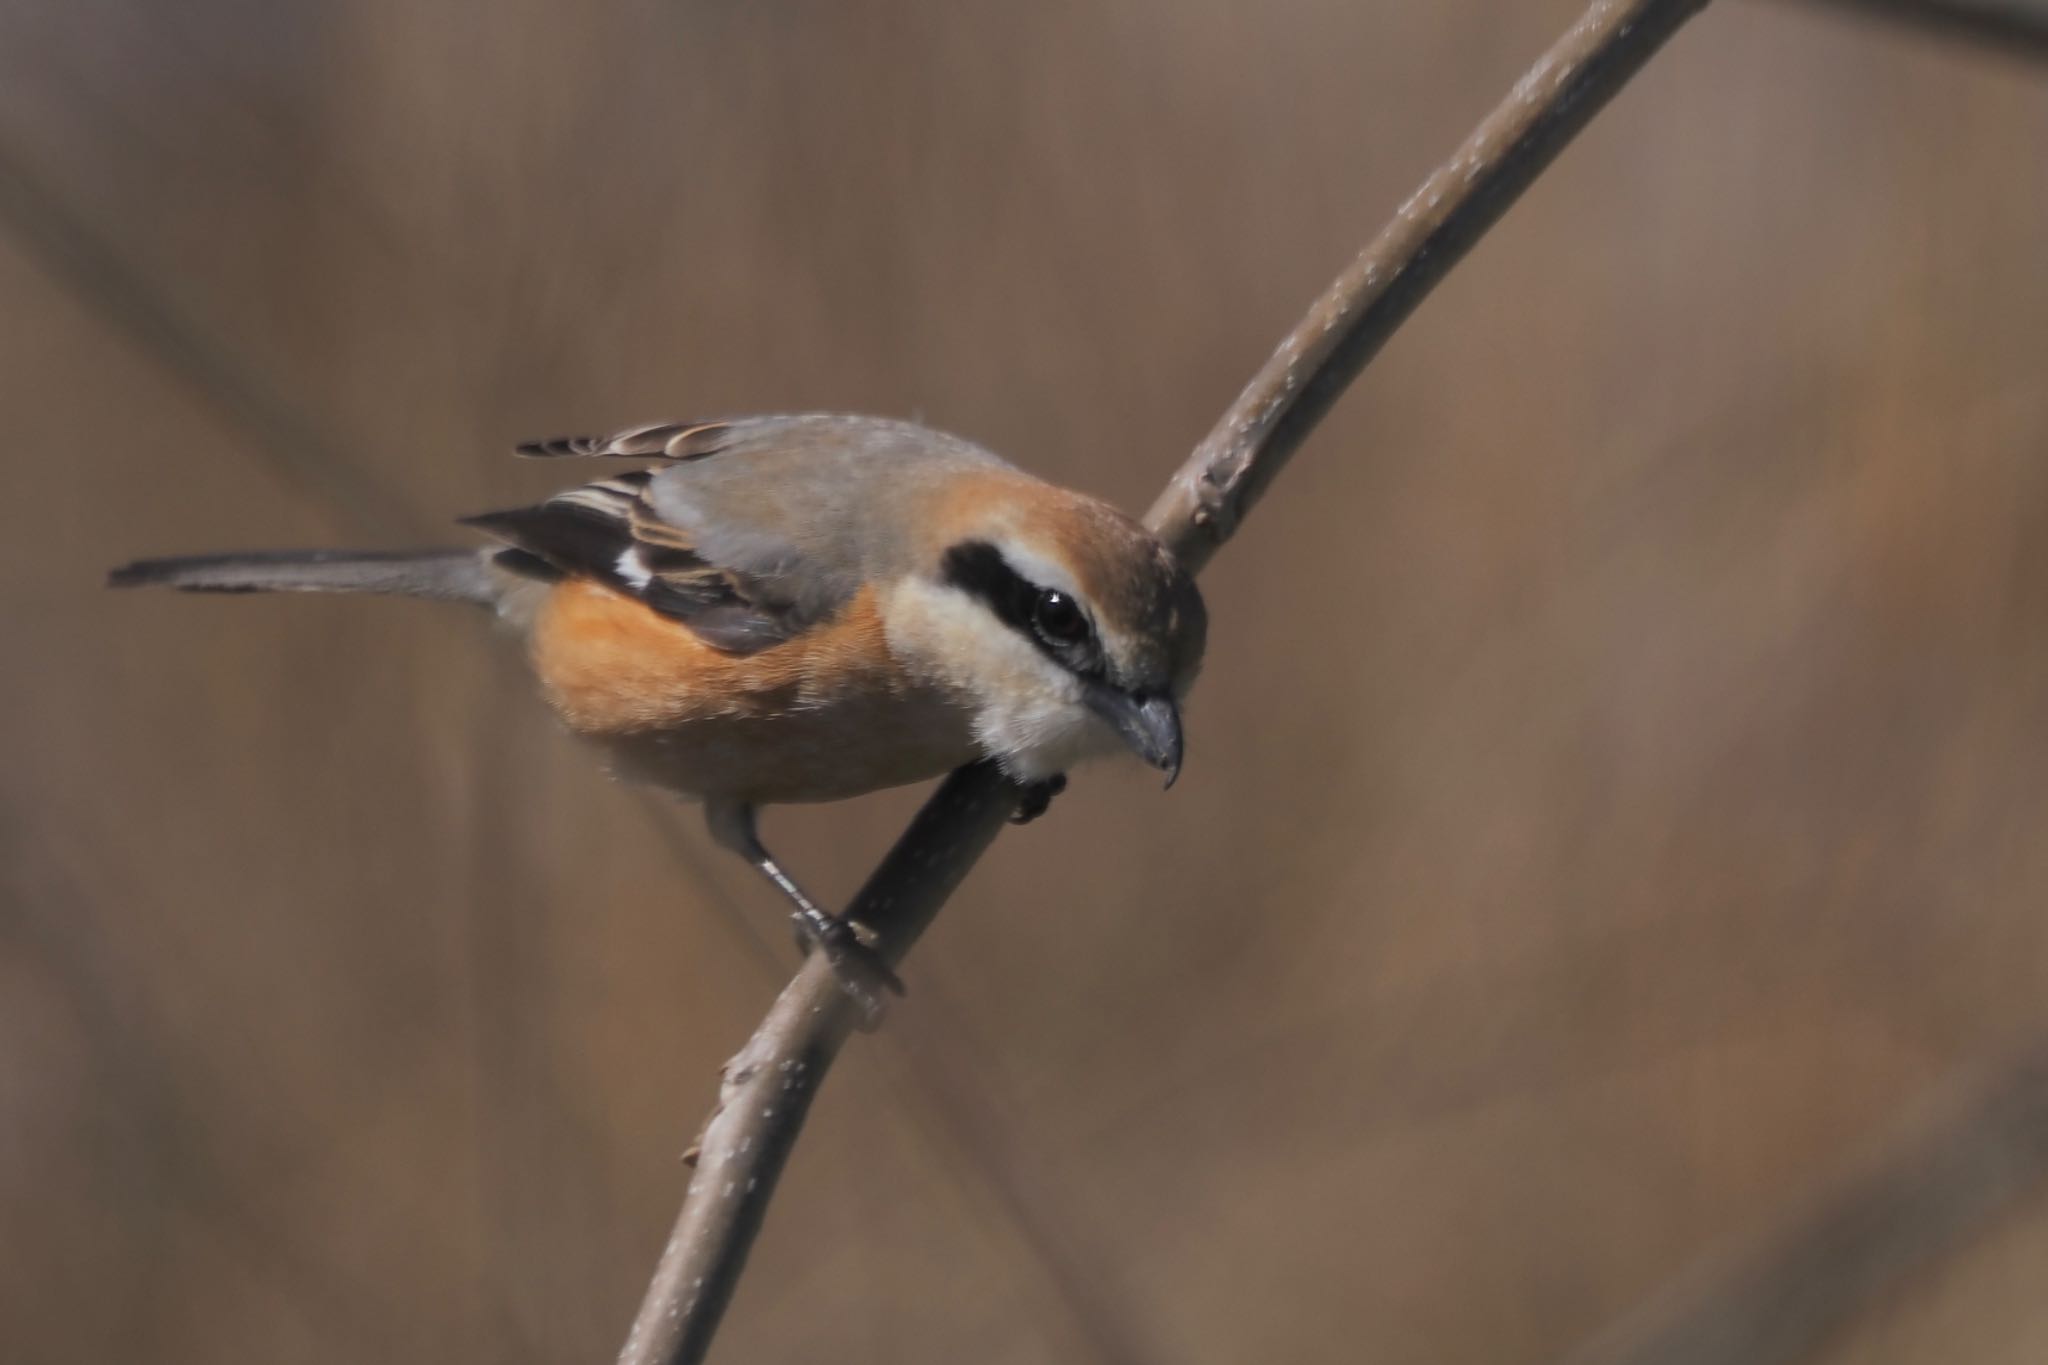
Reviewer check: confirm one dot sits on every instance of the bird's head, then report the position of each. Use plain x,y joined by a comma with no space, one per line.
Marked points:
1065,626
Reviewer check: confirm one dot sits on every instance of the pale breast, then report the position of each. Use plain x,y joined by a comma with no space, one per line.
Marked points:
824,716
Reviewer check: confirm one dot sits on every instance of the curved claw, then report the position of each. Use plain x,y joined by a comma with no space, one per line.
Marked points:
1037,799
862,973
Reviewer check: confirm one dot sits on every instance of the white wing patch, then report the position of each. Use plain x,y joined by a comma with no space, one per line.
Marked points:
632,568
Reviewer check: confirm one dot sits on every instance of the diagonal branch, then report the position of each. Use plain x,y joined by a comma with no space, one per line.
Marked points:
768,1086
1430,233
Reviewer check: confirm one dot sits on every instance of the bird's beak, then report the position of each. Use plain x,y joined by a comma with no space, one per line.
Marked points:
1150,725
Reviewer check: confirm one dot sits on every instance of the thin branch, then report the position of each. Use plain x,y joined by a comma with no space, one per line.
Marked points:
1944,1178
2017,26
768,1086
1430,233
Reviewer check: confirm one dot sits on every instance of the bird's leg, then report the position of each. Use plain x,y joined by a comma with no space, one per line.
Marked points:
860,968
1037,798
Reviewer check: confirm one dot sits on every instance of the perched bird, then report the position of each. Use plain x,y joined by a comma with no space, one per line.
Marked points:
805,608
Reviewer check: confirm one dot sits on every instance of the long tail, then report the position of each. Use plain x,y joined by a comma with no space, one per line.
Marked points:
450,575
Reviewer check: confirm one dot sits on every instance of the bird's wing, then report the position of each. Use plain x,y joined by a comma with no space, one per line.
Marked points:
607,531
749,532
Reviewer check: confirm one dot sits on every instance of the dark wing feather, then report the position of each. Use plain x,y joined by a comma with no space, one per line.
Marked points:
608,532
662,441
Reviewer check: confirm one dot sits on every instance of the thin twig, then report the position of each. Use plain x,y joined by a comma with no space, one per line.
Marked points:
768,1086
1430,233
2017,26
1943,1178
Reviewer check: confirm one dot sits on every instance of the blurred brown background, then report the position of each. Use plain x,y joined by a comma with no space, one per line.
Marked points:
1615,795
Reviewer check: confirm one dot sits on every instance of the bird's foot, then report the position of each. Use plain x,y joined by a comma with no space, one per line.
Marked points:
862,973
1037,798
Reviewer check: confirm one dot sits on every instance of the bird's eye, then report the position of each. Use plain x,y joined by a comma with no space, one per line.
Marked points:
1058,617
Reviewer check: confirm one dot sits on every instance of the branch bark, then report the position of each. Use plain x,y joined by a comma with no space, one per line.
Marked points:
768,1086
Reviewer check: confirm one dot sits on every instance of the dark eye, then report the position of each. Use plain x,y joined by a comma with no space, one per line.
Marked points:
1058,618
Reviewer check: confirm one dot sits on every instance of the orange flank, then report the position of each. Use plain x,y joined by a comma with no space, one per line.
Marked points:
613,666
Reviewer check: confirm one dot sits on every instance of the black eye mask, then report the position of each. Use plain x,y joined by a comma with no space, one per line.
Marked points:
1049,618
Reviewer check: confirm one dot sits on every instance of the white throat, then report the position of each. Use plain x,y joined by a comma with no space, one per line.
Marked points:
1028,713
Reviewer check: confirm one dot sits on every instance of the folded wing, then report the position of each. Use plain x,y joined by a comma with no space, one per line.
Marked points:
748,531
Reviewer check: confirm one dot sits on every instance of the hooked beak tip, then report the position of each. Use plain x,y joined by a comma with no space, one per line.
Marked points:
1149,725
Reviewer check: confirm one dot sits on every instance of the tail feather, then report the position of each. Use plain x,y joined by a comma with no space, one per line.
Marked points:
449,575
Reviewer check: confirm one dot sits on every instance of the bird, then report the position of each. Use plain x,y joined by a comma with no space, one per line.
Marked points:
805,608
